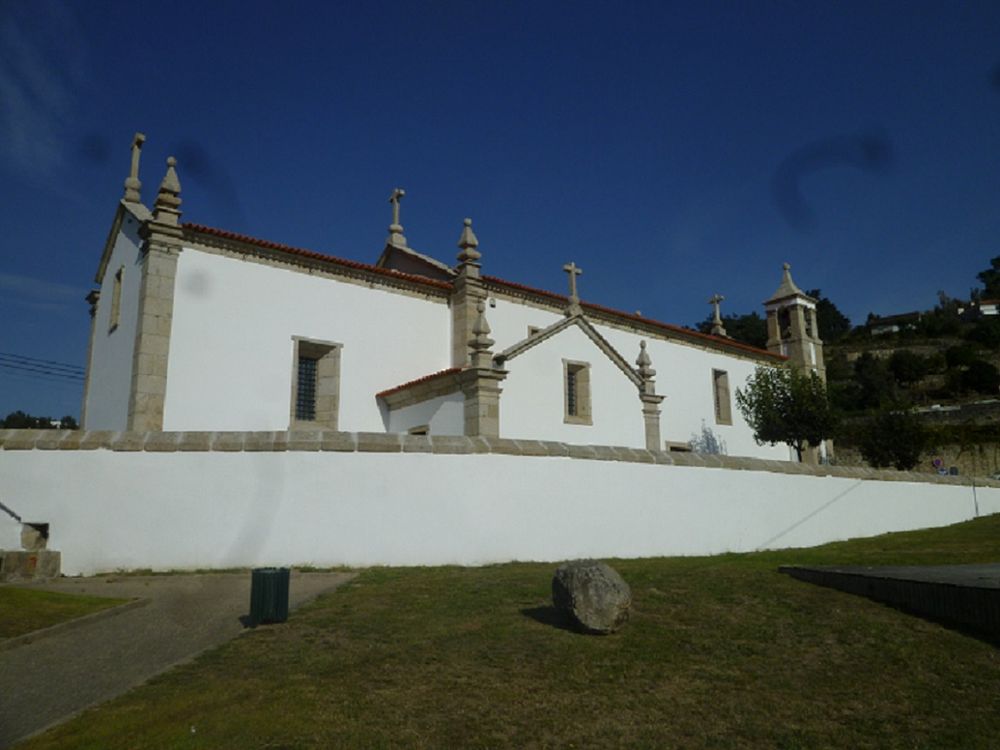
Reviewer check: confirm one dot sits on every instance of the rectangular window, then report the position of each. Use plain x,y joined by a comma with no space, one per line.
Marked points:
420,430
533,331
315,384
576,393
305,395
723,405
116,300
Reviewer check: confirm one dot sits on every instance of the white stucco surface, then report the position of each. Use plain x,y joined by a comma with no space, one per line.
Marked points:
110,366
231,349
510,319
684,376
533,401
204,509
444,415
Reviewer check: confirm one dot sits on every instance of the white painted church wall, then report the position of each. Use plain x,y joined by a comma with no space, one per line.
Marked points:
510,319
110,367
231,350
684,376
532,404
444,415
209,509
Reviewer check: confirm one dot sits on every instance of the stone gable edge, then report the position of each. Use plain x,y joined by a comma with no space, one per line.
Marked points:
381,442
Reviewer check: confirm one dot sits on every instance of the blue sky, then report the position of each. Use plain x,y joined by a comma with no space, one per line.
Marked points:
672,150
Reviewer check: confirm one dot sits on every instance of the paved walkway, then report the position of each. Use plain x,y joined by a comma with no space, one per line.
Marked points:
49,680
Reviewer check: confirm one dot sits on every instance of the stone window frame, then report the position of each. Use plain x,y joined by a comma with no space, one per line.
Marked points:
533,331
327,405
722,397
576,375
116,299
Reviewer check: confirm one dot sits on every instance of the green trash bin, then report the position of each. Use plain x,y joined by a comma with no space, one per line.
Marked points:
268,595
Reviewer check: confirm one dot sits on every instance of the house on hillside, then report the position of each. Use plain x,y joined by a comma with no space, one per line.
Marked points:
197,328
886,324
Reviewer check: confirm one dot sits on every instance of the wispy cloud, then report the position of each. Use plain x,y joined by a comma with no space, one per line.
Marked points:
38,292
39,79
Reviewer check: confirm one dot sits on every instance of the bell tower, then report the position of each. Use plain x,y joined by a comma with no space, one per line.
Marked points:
792,328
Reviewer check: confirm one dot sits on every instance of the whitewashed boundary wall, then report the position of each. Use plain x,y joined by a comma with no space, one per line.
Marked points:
206,500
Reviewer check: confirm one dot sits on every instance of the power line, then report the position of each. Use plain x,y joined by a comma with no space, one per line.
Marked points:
14,375
42,372
51,364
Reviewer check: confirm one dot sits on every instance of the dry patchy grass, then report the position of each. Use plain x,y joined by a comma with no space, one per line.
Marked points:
25,610
721,652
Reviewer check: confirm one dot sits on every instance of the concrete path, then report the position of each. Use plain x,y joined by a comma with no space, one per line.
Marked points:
49,680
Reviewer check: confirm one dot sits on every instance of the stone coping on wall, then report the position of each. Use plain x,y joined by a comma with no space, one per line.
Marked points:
381,442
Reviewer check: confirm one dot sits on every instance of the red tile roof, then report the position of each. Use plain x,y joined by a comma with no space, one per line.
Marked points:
312,255
688,332
424,281
418,381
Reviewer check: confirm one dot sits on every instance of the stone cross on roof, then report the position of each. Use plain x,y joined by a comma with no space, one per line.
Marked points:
573,271
717,328
396,229
132,184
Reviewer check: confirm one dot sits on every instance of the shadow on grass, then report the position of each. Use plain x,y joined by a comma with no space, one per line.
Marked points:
550,616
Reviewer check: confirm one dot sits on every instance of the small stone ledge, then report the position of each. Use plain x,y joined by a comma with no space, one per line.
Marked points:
303,440
127,441
348,442
228,441
380,442
162,442
458,444
375,442
417,444
195,441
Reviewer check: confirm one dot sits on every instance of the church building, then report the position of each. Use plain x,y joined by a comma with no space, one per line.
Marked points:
196,328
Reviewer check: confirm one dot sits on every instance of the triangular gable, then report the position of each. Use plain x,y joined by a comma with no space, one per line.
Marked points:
407,260
555,329
141,214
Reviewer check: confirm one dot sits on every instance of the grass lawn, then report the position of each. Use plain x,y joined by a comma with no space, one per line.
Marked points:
25,610
721,652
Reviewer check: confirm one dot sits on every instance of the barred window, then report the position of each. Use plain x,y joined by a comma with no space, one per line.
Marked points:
305,397
576,395
315,384
723,402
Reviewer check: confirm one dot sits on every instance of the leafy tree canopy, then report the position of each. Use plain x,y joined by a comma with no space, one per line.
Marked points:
893,438
783,405
991,280
18,420
833,324
750,328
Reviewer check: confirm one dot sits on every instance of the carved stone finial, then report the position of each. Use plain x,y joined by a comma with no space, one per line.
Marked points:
480,343
166,209
396,237
717,328
646,371
468,242
132,184
574,299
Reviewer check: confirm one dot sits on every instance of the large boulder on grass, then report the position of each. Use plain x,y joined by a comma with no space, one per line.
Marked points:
592,595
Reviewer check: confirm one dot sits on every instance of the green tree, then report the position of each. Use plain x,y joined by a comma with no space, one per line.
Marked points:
991,280
783,405
833,324
981,377
893,438
19,420
908,367
986,332
750,328
875,384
